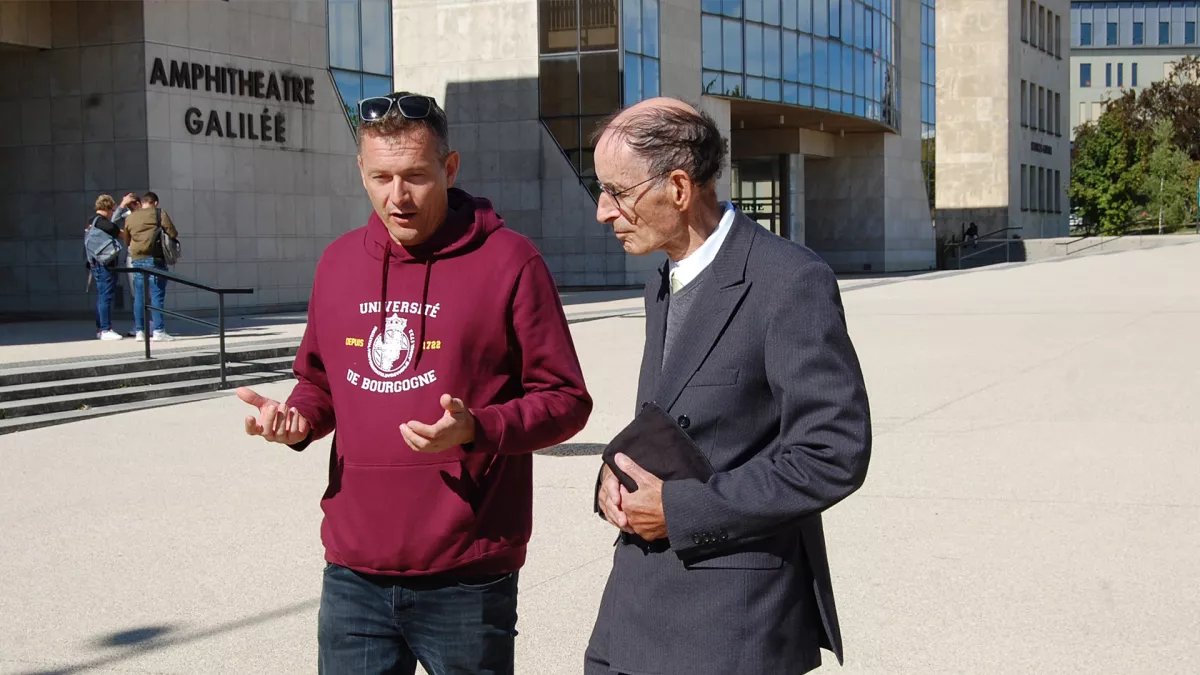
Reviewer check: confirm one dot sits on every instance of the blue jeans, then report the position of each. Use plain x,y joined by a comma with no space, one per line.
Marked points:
371,625
106,289
158,294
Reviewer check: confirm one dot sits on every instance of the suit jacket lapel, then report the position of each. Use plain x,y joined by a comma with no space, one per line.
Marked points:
709,315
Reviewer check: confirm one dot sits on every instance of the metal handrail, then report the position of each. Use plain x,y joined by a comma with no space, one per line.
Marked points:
1006,242
221,292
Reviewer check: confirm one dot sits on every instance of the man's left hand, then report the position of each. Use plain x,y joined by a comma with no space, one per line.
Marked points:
644,508
457,427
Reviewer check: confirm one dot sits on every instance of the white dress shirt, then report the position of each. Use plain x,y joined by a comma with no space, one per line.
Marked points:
686,270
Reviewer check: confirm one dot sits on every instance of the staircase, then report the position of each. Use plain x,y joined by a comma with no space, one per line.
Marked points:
988,252
41,395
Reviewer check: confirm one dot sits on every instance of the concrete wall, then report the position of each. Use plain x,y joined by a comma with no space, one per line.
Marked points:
26,23
87,120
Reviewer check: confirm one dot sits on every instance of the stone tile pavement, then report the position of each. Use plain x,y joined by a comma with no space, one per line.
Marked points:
1031,505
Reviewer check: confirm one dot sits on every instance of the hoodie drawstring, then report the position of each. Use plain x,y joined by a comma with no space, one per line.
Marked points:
424,304
387,254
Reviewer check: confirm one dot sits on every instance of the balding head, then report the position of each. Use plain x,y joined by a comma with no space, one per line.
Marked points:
668,134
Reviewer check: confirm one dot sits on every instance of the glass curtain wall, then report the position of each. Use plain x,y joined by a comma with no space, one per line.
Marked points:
836,55
929,96
360,50
596,55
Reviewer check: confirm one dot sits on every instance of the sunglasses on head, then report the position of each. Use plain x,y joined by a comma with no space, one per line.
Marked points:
412,106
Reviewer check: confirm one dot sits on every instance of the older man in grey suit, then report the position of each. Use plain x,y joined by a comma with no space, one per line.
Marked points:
746,347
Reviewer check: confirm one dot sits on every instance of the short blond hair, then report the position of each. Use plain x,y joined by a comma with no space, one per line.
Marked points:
105,203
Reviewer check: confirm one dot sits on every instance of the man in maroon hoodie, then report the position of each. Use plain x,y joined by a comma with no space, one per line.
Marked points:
438,353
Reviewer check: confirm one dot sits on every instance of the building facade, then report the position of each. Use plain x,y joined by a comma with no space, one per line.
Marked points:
1117,47
226,109
1003,158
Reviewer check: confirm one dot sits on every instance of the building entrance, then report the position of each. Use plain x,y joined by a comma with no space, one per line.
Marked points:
760,191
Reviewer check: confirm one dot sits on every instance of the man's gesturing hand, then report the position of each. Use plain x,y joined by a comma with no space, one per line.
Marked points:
457,427
642,509
610,500
276,422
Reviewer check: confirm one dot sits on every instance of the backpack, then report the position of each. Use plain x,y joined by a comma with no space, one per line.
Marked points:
166,244
101,247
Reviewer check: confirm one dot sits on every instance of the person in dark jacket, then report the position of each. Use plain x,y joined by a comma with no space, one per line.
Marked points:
105,278
438,353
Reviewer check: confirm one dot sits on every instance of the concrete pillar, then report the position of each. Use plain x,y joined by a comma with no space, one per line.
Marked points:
719,109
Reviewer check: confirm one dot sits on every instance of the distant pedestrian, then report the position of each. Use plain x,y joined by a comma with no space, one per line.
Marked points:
972,236
146,252
103,248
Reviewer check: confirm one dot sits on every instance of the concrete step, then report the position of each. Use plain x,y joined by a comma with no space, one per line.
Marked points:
87,384
145,392
51,419
83,368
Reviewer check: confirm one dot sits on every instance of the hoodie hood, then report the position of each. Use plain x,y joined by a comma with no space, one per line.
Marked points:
469,221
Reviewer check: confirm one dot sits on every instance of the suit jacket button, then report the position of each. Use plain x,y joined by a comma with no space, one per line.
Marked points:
696,539
684,422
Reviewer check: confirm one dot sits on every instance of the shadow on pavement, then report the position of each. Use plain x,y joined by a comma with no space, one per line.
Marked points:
574,450
139,641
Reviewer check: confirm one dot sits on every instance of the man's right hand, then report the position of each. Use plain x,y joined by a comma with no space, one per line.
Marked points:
276,422
610,500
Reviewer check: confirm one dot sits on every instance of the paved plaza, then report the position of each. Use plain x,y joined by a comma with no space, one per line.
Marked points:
1030,508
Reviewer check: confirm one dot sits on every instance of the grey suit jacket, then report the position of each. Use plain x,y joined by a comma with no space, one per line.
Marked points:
767,383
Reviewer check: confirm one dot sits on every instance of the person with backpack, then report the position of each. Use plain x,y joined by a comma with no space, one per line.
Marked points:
103,246
153,244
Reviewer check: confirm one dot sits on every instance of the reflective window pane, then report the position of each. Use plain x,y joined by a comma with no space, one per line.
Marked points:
734,86
732,8
649,78
710,6
771,53
788,18
847,70
806,96
771,12
631,11
835,66
804,10
754,49
835,18
711,42
820,17
377,85
771,91
343,35
565,132
804,49
600,83
820,63
860,27
754,87
847,21
731,46
650,27
860,74
712,83
821,99
558,26
753,9
633,78
559,86
599,25
791,60
377,36
791,94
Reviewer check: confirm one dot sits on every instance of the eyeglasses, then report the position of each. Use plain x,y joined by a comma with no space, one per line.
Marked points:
617,193
411,106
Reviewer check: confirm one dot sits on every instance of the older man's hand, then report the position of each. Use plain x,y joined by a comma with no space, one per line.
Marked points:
642,510
610,500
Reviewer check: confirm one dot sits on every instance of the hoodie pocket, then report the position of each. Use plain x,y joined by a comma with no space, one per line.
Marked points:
410,518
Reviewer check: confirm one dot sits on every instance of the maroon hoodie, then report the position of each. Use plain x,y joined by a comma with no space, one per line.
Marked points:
474,313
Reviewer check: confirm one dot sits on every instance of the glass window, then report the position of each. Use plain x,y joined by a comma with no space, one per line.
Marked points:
835,18
1120,74
1032,188
1085,75
788,19
734,85
821,99
1024,103
633,77
771,53
804,16
1112,34
1139,32
771,12
804,48
1024,193
1189,33
848,24
558,83
1041,27
754,87
820,17
754,9
711,42
1058,36
848,70
1108,75
1133,75
344,37
600,83
650,28
349,87
1085,34
1025,20
860,74
559,26
806,96
377,37
820,64
710,6
860,27
1041,109
835,66
649,77
1057,124
791,94
771,91
376,85
631,19
731,45
754,49
732,8
1164,33
791,60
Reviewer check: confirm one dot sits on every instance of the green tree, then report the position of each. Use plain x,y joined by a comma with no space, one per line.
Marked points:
1105,176
1168,183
